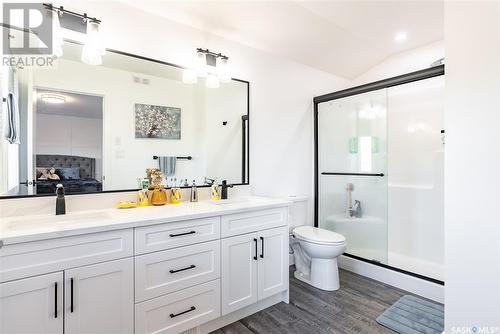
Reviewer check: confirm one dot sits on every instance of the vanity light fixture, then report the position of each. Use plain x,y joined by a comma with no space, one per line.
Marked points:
57,38
53,98
212,81
93,48
212,66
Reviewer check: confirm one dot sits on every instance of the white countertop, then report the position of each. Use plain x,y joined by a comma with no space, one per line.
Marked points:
39,227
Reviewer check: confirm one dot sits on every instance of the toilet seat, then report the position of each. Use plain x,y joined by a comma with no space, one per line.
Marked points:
318,236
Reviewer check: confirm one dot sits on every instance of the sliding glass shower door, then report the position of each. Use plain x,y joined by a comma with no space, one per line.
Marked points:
352,168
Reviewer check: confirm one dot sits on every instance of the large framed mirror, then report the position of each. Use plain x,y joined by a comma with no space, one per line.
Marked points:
98,128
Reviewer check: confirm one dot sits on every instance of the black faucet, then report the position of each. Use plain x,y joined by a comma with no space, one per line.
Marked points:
224,186
60,201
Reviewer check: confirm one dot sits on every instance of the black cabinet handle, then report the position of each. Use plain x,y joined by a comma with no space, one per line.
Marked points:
55,300
172,271
262,250
255,240
181,234
184,312
71,288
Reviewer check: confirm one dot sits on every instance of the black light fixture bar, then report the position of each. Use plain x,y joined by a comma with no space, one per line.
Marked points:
208,52
61,9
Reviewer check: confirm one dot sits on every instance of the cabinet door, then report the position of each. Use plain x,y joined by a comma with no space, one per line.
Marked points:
100,298
32,305
273,261
239,272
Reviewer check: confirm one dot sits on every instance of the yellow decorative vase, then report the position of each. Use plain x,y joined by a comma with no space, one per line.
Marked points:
175,195
158,196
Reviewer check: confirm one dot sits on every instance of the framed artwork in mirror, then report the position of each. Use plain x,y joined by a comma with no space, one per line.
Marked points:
157,122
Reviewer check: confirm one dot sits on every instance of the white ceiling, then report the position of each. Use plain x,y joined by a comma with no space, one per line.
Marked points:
76,105
345,38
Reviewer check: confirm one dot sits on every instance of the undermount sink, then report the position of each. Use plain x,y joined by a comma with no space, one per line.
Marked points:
33,221
232,201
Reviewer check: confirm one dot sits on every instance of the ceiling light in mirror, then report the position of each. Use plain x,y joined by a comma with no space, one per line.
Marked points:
189,76
212,81
223,70
401,36
93,49
201,64
52,98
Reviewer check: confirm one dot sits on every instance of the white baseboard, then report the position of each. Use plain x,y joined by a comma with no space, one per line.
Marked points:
396,279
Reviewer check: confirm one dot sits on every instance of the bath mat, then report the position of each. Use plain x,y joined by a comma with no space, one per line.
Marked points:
414,315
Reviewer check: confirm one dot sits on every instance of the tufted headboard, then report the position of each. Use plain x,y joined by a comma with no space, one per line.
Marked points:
86,165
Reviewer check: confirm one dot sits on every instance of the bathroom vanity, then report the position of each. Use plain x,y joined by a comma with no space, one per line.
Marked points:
146,270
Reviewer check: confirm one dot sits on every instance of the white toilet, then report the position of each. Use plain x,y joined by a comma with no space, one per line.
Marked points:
315,253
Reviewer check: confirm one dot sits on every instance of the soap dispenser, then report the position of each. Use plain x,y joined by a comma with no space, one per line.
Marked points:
194,193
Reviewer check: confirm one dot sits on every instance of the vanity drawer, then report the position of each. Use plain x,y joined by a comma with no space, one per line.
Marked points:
38,257
168,271
241,223
179,311
170,235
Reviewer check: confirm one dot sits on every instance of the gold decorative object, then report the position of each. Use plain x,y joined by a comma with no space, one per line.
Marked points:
155,177
158,196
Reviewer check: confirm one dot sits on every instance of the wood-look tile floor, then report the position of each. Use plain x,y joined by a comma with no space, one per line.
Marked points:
350,310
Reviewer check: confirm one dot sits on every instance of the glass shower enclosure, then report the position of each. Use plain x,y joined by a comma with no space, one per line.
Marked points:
379,171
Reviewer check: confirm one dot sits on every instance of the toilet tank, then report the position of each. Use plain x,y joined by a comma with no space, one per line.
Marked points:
300,212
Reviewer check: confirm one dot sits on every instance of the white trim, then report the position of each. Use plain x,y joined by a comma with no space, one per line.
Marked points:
396,279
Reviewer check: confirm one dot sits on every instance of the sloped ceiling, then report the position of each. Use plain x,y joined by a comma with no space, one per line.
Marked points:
345,38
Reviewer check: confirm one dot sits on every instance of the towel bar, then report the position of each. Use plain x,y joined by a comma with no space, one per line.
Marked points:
181,158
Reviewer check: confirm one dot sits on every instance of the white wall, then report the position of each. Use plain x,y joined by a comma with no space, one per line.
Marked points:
472,234
281,91
404,62
68,135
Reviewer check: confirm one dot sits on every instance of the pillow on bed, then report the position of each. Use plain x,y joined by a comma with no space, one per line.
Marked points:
69,173
42,171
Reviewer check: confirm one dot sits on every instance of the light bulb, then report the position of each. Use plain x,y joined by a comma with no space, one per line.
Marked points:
223,71
201,64
93,49
189,76
212,81
57,38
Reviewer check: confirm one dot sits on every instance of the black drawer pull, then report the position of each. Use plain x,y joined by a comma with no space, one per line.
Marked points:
177,270
262,250
255,240
71,288
184,312
55,300
181,234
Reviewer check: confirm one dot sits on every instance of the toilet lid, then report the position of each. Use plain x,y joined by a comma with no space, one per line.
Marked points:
318,235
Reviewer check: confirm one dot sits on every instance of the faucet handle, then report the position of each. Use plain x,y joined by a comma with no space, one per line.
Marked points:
59,189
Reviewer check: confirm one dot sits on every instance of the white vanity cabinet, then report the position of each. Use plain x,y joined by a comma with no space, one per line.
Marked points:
254,265
99,298
77,298
32,305
155,277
